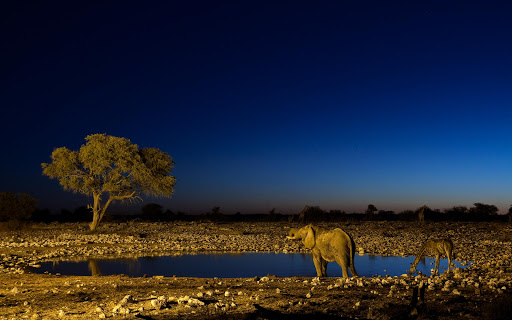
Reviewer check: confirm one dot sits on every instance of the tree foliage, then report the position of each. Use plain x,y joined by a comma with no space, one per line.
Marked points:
111,166
16,206
371,209
483,210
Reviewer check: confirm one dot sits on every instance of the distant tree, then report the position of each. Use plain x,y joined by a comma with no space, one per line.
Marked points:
509,214
457,213
371,209
273,215
214,215
336,215
481,210
152,211
314,213
16,206
457,210
112,166
387,215
407,215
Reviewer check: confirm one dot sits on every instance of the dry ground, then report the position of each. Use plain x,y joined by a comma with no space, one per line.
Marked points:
481,291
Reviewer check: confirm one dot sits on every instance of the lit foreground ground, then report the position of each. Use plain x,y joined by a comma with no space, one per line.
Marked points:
481,291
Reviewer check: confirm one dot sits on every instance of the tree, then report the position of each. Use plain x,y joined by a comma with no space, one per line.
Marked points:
111,166
509,214
16,206
215,211
314,213
481,210
371,209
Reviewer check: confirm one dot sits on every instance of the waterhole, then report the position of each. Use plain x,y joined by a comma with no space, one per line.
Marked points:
243,265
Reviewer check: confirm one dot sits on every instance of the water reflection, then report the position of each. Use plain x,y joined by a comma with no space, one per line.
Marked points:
240,265
93,267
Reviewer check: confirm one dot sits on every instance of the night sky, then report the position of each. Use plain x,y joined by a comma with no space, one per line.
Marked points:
267,104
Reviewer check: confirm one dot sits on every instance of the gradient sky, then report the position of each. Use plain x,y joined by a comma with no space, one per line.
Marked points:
268,104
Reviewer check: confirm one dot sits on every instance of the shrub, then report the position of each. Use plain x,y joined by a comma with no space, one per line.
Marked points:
16,207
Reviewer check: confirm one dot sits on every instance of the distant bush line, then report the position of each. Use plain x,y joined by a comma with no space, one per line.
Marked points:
154,212
18,209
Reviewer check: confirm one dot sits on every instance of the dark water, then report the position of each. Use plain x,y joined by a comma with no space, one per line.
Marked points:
242,265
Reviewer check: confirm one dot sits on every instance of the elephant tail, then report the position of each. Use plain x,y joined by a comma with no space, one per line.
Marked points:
352,253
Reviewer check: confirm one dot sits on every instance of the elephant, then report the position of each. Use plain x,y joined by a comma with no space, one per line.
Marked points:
327,246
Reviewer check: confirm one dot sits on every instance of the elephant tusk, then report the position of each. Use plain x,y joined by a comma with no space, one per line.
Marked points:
288,237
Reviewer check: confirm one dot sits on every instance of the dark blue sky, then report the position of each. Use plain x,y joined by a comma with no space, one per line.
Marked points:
268,104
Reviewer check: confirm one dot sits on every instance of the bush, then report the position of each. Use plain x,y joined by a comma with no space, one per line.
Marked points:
16,207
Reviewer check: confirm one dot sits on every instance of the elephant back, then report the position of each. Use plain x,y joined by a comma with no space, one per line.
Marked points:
349,239
344,234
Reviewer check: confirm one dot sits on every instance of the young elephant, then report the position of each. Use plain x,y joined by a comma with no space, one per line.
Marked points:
326,246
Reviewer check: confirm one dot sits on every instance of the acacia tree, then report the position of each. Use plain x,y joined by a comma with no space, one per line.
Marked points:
112,167
371,209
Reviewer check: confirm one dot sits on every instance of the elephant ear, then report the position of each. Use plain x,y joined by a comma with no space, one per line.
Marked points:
309,239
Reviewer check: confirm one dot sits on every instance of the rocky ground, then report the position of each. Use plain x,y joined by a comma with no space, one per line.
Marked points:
481,291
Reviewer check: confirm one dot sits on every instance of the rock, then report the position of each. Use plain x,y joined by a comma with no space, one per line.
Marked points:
195,302
128,298
183,299
159,303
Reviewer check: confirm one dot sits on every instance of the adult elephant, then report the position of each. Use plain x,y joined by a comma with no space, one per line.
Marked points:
327,246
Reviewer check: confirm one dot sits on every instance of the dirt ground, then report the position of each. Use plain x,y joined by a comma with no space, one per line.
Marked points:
481,291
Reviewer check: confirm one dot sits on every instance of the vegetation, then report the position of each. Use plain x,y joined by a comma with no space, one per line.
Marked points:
111,166
371,209
16,207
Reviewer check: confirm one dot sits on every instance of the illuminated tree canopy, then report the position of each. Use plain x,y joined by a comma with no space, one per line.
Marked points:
113,167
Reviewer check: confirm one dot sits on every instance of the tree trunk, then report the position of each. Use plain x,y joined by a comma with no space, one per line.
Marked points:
95,220
96,216
98,211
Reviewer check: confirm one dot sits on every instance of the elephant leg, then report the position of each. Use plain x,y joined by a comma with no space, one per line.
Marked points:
353,271
317,259
324,267
344,267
